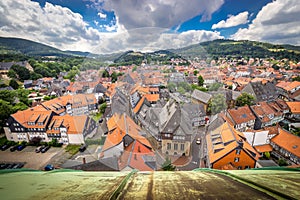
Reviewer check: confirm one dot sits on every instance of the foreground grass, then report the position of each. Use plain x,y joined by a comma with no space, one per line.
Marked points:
72,148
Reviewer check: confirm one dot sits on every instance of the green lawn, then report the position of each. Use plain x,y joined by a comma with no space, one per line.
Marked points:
72,148
97,116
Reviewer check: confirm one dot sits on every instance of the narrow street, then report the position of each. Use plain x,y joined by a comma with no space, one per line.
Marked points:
197,151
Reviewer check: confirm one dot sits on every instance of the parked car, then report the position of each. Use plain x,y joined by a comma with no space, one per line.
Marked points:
38,149
49,167
198,141
4,147
3,165
9,166
13,148
21,147
18,166
83,148
46,148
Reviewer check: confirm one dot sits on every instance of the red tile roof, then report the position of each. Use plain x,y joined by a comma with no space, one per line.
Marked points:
288,141
294,107
241,115
264,148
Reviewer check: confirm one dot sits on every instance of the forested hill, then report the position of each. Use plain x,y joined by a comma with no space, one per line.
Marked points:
30,48
244,48
204,50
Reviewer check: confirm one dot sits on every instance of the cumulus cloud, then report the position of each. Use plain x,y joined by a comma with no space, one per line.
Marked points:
231,21
52,24
158,13
102,15
277,22
151,38
61,28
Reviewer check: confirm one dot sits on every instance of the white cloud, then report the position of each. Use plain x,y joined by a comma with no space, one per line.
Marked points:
96,22
231,21
53,25
102,15
158,13
150,39
59,27
277,22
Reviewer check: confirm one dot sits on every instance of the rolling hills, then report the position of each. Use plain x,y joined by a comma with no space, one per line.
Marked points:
204,50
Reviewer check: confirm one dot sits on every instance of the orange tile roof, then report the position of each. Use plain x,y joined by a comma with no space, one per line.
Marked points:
262,109
33,116
57,105
288,86
292,85
139,105
288,141
294,107
152,97
241,115
120,125
223,140
264,148
74,124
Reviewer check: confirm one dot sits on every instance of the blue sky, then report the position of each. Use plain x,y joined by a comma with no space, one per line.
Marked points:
107,26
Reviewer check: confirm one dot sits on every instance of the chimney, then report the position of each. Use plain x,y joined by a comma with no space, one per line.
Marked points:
83,160
135,158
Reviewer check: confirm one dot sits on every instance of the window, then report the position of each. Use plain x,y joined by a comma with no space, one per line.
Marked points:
239,167
182,147
168,146
236,159
175,146
238,152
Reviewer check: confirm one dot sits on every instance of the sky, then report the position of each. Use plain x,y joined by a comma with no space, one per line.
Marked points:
107,26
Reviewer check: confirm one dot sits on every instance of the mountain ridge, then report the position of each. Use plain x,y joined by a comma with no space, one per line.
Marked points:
204,50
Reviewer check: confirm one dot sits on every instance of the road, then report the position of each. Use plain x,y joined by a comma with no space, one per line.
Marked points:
197,151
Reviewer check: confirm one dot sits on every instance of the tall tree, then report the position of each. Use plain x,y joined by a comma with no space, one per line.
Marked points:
195,72
22,72
200,80
5,111
217,104
167,165
245,99
171,86
14,84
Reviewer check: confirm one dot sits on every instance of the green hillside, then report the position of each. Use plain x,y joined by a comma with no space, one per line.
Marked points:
12,47
244,48
131,57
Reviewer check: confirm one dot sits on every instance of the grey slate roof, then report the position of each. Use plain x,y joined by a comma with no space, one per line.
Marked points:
105,164
120,103
201,96
169,119
194,110
262,92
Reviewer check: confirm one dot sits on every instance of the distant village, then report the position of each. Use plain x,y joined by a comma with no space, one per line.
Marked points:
226,114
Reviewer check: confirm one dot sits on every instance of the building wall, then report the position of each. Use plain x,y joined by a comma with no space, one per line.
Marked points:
286,154
172,151
115,151
195,101
14,136
244,160
75,139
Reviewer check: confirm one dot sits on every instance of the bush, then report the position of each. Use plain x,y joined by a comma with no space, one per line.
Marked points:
167,165
282,162
267,155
